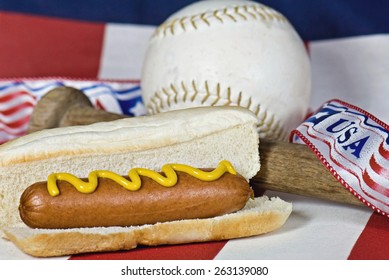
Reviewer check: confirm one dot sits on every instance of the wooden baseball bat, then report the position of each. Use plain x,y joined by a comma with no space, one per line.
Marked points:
285,167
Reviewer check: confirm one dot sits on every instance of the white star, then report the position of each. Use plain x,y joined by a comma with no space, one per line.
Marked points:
138,110
320,114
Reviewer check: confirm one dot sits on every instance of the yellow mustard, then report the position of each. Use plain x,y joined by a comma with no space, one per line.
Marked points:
134,182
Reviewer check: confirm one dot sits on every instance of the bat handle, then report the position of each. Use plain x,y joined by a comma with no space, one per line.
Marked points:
294,168
66,106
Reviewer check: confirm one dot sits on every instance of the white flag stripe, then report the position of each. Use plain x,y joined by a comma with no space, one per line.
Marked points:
8,133
25,112
124,49
354,70
315,230
4,106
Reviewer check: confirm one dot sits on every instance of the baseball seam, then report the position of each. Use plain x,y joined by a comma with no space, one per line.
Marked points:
191,95
236,13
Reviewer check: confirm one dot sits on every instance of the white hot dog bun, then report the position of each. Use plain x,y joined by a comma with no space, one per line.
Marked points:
199,137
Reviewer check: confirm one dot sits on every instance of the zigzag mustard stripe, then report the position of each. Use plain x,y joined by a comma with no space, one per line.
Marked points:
169,179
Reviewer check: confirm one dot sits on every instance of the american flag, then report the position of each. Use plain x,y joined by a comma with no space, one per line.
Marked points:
18,98
100,49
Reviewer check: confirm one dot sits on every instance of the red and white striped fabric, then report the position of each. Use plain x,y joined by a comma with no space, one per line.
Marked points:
19,96
35,51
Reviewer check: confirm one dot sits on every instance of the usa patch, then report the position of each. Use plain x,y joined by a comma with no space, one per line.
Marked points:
354,146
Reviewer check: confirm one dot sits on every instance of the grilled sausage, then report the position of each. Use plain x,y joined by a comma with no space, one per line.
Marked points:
112,205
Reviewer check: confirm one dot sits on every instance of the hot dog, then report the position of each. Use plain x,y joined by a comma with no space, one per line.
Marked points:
111,204
197,137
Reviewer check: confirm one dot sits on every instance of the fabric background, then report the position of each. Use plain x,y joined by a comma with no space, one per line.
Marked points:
75,42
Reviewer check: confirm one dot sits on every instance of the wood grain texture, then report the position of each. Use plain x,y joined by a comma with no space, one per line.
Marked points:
81,115
294,168
66,106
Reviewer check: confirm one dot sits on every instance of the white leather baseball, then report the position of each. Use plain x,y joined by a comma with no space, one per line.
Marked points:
229,52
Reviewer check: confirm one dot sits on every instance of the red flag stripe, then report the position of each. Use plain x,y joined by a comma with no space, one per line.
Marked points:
43,46
17,108
374,185
383,152
195,251
383,172
373,243
17,123
15,94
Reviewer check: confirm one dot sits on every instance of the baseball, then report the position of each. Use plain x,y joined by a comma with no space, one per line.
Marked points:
228,53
